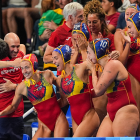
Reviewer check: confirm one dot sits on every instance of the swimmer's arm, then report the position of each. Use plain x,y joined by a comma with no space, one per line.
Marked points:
63,99
16,101
74,57
124,51
107,77
47,58
75,51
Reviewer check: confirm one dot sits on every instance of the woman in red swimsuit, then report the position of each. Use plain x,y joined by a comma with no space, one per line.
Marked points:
123,116
38,88
74,89
129,55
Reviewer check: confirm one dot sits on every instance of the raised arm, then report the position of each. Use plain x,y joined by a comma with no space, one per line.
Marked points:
107,77
75,51
79,45
122,46
16,100
47,58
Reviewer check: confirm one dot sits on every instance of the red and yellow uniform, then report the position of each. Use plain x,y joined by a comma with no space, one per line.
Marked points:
133,66
133,61
42,96
119,94
79,96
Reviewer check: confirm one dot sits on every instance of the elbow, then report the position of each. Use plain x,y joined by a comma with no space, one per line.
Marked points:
98,92
45,58
13,108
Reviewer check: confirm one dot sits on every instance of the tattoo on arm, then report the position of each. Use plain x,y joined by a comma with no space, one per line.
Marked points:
105,85
108,71
102,75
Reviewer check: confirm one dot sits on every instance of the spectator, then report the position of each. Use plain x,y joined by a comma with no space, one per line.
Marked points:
11,4
49,14
11,126
110,7
28,14
42,40
125,4
51,25
73,13
121,24
94,17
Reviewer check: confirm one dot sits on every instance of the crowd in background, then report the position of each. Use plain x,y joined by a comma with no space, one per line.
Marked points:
93,45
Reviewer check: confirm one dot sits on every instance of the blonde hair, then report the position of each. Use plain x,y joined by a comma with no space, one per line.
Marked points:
94,7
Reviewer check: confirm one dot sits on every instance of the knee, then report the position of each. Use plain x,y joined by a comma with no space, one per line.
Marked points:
26,12
10,12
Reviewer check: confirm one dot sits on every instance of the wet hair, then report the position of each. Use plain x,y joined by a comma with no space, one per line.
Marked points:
94,7
117,3
4,49
47,5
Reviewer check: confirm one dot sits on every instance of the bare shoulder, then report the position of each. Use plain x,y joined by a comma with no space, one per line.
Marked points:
81,65
113,65
117,33
47,73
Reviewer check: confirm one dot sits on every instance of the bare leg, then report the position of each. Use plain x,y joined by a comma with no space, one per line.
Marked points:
12,13
74,126
30,14
4,22
100,106
61,126
135,85
41,131
89,125
126,122
105,129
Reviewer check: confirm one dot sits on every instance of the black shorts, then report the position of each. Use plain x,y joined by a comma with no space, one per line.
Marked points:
11,128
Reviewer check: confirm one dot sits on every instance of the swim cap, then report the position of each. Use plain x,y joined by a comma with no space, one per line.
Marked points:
82,28
101,47
135,19
33,60
65,52
133,5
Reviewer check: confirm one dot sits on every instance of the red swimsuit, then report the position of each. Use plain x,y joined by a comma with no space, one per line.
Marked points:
45,102
79,96
119,94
